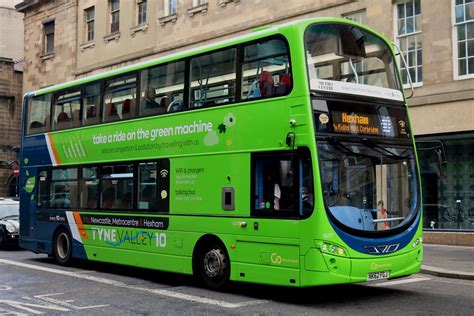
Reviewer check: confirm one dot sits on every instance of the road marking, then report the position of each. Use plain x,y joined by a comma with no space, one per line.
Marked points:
66,304
397,282
29,307
168,293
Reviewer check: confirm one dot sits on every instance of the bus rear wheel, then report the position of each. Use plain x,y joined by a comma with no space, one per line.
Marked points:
213,266
62,247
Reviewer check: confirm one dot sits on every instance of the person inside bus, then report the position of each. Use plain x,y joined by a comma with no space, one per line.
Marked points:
272,194
108,198
150,102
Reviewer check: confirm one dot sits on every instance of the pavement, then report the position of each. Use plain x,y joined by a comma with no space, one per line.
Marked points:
455,262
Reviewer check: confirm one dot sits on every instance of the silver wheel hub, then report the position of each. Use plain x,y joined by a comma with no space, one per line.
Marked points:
62,245
214,263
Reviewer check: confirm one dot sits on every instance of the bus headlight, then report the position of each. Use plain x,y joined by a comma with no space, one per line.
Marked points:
332,249
10,228
417,242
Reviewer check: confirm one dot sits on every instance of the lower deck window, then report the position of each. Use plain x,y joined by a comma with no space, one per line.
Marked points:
142,186
283,185
117,187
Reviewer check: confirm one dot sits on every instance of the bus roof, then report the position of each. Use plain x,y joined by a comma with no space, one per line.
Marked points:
255,34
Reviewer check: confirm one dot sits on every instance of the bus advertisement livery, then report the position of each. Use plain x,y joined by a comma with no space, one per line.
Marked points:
284,157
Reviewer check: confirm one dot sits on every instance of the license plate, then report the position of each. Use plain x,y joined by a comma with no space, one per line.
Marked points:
372,276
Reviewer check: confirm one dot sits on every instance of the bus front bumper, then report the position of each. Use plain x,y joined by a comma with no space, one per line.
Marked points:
323,269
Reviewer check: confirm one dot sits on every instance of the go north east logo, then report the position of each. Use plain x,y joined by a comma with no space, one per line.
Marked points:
275,258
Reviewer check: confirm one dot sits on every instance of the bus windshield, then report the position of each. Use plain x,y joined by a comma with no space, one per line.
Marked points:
347,59
368,186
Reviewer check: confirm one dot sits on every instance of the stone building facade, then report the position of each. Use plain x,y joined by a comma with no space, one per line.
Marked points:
11,52
436,38
10,124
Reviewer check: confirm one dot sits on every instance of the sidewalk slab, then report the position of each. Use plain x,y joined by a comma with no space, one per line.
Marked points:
448,261
443,273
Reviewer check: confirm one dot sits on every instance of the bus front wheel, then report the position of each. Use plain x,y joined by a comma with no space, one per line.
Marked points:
213,266
62,247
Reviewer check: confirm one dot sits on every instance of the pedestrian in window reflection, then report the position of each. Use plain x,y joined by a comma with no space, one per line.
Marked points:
383,213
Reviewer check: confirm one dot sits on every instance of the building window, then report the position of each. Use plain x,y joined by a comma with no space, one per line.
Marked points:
197,3
464,24
359,16
408,32
170,7
89,17
142,8
447,181
48,28
114,15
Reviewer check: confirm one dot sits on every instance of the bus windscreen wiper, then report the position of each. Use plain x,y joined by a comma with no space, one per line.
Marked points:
346,150
382,150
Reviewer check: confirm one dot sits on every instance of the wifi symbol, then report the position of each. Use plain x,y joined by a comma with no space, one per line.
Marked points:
164,173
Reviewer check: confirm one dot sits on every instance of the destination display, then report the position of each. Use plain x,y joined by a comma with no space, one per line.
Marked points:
363,120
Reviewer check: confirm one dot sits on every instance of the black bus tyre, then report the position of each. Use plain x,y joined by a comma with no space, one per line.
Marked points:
62,247
3,239
213,266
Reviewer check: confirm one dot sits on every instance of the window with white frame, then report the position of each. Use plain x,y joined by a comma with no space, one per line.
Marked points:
408,31
197,3
359,16
464,35
142,10
89,14
169,7
114,15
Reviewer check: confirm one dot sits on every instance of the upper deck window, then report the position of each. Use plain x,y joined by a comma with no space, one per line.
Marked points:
39,119
213,78
162,88
119,98
353,56
266,70
67,110
91,100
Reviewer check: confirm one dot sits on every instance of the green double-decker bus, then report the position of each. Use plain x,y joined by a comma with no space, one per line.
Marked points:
284,157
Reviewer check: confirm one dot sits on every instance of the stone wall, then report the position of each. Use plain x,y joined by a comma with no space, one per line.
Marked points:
11,30
10,120
42,70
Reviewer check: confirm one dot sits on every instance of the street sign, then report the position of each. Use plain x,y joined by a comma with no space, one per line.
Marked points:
16,171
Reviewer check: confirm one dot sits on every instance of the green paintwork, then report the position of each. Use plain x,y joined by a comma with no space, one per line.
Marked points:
30,184
281,251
